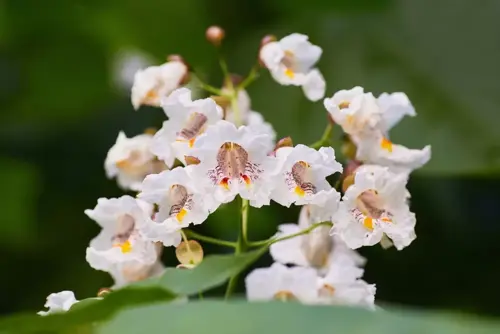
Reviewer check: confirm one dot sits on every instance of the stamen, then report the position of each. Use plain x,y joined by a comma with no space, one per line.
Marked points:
344,104
284,295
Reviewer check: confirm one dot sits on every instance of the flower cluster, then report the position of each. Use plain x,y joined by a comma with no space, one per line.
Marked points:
212,150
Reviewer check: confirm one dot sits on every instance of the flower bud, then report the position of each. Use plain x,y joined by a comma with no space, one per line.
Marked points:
283,142
185,266
190,160
265,40
351,167
103,292
215,35
221,101
347,182
189,253
150,131
349,149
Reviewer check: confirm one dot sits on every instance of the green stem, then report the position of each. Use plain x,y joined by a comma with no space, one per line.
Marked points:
207,87
235,107
210,240
254,73
271,241
241,246
325,138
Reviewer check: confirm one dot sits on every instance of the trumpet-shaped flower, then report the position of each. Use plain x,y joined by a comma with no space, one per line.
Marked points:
342,286
154,83
291,61
234,161
187,120
179,203
59,302
376,204
131,159
316,249
355,111
120,242
279,282
302,177
378,149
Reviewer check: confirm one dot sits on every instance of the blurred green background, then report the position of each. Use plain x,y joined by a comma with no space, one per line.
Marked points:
62,107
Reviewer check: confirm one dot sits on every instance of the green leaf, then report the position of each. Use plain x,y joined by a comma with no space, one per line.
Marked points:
287,318
213,271
89,312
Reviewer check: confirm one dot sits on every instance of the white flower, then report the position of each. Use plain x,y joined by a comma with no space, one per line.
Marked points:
156,82
376,204
355,111
291,62
343,286
253,119
282,283
59,302
316,249
130,272
126,63
130,160
378,149
180,204
394,107
302,177
234,161
187,120
120,242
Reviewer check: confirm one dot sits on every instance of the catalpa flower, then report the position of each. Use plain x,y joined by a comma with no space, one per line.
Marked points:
343,285
187,120
279,282
120,241
316,249
291,62
234,161
355,111
131,159
179,203
127,273
253,119
302,177
59,302
154,83
376,204
378,149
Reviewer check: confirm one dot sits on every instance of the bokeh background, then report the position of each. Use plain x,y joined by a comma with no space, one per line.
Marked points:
64,66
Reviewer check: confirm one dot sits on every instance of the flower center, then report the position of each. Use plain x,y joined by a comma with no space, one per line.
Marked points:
289,62
344,104
284,296
370,208
193,127
233,164
299,179
326,290
386,144
181,202
124,228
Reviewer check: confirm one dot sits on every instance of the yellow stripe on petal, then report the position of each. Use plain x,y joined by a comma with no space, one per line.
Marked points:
289,73
126,247
368,223
299,191
181,214
386,144
191,142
